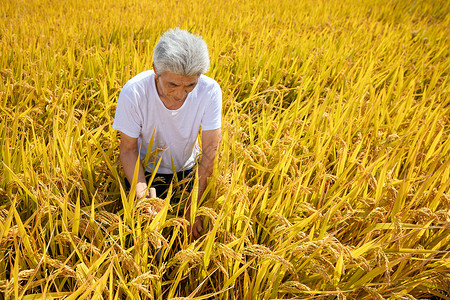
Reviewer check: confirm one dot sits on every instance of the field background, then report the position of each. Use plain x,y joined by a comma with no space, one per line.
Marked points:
333,175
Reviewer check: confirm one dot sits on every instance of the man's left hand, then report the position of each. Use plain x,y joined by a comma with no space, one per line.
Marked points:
196,230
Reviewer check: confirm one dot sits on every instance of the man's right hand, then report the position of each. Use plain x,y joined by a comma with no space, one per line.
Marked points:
152,210
141,190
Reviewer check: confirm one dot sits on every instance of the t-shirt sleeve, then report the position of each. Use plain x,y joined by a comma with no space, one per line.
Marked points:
127,118
212,117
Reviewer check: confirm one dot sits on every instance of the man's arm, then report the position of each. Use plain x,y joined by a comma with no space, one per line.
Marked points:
129,153
210,144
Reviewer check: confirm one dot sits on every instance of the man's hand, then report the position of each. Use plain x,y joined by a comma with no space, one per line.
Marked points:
196,230
153,210
141,190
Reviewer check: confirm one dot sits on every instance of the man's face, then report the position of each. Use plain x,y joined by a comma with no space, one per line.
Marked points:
173,89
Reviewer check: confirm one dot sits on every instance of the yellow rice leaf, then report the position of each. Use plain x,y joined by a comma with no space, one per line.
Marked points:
76,219
101,284
16,179
363,249
49,295
338,269
25,238
99,261
210,242
7,225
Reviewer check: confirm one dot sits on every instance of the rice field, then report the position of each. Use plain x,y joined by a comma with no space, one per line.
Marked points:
332,180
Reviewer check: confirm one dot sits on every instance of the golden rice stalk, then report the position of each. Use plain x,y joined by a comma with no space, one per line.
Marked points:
423,215
3,215
9,288
83,276
145,277
144,205
228,237
188,256
13,232
107,218
383,261
86,229
142,288
373,293
257,250
227,252
25,274
279,259
443,216
208,212
263,252
294,287
60,267
156,238
378,214
363,263
4,285
175,222
79,243
143,284
127,262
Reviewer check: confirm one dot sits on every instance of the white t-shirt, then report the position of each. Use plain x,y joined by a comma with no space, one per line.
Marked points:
140,113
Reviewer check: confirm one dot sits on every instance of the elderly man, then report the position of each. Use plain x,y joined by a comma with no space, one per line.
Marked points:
165,108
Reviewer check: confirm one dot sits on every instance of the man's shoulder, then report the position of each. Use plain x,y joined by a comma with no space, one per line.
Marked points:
207,83
141,80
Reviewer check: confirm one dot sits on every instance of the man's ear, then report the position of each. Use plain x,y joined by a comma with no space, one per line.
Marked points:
154,69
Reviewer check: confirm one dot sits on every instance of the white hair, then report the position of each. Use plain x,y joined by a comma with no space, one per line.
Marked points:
182,53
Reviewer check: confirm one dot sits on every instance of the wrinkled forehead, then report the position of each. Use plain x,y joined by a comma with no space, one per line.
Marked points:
178,79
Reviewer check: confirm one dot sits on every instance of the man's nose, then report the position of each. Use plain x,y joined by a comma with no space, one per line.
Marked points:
180,93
